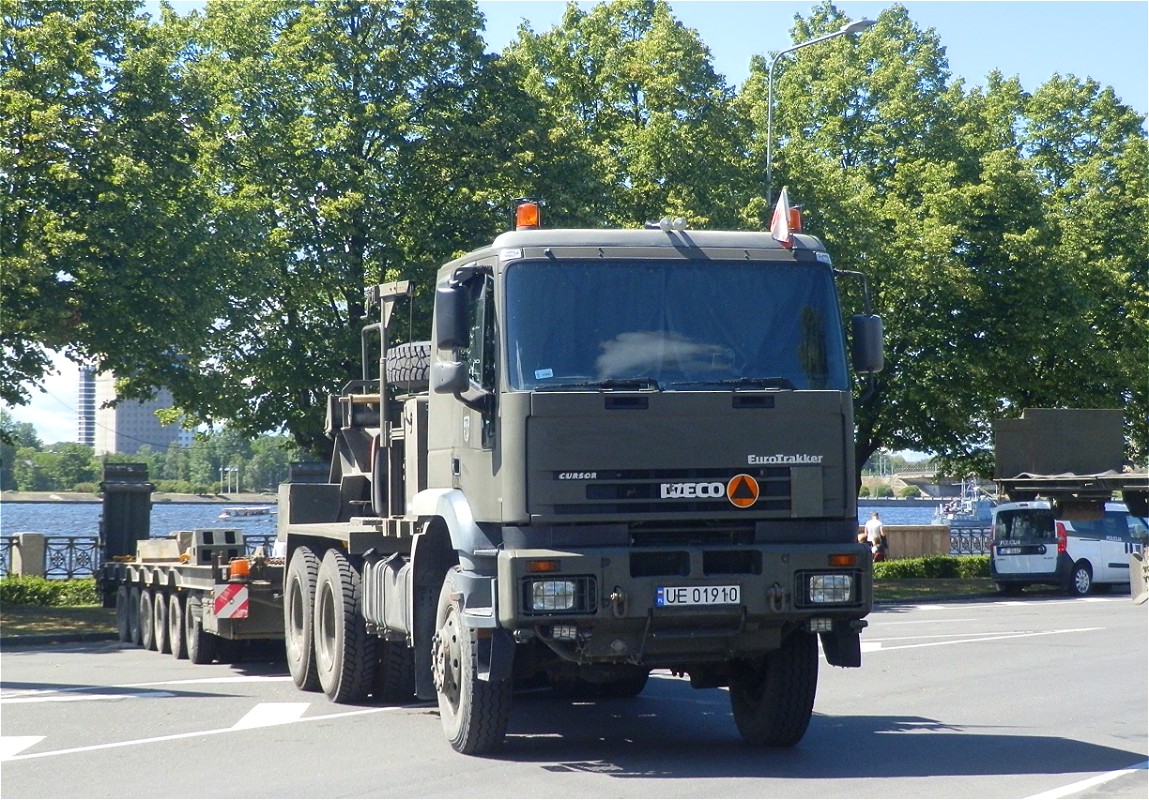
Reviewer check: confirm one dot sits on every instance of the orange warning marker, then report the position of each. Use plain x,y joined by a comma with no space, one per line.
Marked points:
742,490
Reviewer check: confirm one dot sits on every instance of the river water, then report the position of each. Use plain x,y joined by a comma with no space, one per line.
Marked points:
83,519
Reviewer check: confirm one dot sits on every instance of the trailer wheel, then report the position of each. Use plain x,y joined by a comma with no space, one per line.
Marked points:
134,615
160,622
201,644
345,653
395,673
147,620
123,628
177,638
474,712
299,618
773,697
409,366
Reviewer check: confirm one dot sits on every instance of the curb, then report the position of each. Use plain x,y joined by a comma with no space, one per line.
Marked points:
40,640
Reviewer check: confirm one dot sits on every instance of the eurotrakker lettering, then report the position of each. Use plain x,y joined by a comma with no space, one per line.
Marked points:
780,458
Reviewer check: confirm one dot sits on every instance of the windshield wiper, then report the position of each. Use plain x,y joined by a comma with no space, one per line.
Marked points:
776,382
623,384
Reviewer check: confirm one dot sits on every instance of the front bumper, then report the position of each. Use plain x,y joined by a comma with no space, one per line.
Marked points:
603,604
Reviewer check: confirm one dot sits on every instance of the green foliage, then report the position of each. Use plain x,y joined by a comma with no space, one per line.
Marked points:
908,492
864,491
932,567
293,153
27,591
883,490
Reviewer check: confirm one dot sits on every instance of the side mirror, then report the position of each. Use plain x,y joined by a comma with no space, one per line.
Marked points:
867,343
449,377
452,320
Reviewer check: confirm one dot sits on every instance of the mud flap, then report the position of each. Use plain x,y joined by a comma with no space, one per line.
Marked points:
1139,578
842,646
495,654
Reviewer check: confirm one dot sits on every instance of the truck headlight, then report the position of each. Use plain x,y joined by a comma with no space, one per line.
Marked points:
552,595
831,589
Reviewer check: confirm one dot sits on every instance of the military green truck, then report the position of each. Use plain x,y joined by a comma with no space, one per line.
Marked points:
624,450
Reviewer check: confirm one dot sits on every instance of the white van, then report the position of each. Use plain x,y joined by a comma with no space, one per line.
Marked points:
1030,545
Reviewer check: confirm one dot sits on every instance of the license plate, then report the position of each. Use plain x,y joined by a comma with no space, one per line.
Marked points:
1009,551
697,595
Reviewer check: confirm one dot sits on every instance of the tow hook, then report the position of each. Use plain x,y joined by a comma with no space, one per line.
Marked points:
776,596
618,602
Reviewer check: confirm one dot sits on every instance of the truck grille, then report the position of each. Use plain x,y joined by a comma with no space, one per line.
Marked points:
641,491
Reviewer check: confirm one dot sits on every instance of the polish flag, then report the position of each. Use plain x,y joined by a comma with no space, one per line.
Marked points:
780,222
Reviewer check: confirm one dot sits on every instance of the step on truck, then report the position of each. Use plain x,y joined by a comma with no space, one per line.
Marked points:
624,450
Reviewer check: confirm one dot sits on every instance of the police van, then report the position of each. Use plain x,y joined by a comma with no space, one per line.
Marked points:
1074,549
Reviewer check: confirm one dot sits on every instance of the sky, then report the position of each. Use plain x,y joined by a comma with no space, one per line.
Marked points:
1099,39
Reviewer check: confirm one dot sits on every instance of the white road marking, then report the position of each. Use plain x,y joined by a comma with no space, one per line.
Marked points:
266,714
871,647
193,734
1088,783
78,695
11,745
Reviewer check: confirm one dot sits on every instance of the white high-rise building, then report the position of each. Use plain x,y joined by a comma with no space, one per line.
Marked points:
86,433
132,423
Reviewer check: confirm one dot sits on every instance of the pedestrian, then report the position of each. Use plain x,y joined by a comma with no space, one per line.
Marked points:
876,536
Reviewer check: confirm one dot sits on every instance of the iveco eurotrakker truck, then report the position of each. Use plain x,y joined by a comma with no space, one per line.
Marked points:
622,451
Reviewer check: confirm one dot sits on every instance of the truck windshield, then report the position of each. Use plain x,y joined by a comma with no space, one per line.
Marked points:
673,325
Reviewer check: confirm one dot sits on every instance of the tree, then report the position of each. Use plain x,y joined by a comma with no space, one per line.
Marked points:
944,199
634,93
108,246
352,143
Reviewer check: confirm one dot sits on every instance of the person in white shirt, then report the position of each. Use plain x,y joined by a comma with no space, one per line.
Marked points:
876,536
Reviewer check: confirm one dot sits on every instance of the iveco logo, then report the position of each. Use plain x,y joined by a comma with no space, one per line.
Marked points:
741,490
674,491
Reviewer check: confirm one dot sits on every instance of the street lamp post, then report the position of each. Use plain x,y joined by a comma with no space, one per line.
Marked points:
853,27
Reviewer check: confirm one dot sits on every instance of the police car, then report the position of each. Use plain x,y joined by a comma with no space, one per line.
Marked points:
1080,552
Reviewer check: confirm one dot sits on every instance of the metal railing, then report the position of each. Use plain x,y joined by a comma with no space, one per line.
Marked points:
81,557
970,541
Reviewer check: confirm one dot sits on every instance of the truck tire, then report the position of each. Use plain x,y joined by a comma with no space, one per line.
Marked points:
345,653
474,712
134,614
409,366
201,644
298,618
395,673
123,598
177,637
160,622
773,697
147,620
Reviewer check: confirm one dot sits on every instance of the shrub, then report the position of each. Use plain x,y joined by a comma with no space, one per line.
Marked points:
909,491
20,590
882,490
961,567
864,491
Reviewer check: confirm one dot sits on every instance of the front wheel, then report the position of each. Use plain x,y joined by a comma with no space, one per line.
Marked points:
1081,579
773,697
474,712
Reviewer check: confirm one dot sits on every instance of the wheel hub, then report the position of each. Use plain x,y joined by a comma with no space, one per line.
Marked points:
445,661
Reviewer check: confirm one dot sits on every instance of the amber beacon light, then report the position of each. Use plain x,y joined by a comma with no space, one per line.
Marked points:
528,213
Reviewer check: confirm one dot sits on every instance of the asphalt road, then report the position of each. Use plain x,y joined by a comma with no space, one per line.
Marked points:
1040,698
